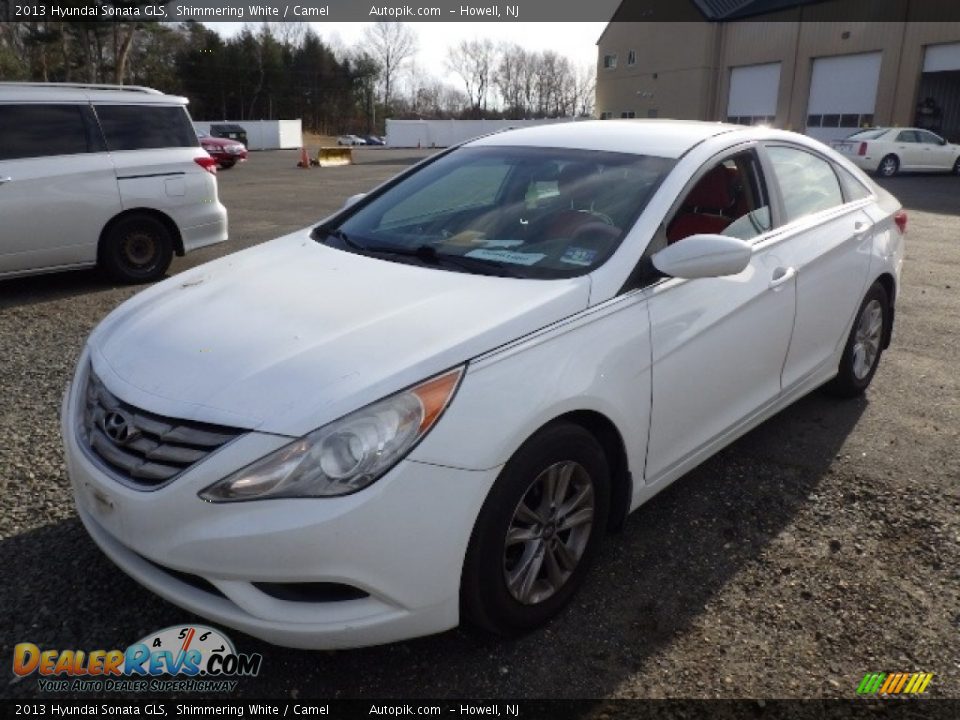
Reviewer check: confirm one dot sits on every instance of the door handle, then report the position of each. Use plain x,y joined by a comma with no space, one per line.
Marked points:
860,227
782,276
4,180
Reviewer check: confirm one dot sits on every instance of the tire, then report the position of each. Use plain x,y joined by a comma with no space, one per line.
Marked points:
560,556
136,249
227,164
889,166
956,167
861,355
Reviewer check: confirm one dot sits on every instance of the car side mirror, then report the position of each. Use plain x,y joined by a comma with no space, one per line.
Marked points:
354,199
700,256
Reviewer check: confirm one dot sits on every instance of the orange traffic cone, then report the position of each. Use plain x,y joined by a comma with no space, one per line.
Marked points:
304,159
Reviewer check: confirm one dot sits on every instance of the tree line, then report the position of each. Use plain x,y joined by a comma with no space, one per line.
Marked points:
286,70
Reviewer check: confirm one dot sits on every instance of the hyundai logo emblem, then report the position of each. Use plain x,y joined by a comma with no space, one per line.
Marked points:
118,426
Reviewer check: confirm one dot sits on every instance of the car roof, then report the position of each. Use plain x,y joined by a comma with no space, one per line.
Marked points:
80,92
660,138
888,129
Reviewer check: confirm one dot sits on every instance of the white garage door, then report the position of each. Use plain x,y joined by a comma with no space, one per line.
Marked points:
939,58
753,94
843,94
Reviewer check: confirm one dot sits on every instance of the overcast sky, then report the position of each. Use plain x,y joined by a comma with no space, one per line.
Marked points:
576,41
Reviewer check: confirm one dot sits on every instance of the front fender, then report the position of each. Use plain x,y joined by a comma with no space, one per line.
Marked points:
597,361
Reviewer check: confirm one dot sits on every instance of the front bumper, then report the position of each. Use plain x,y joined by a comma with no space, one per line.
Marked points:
229,157
401,541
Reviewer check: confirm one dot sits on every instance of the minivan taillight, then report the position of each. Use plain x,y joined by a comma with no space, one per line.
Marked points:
207,163
901,220
862,149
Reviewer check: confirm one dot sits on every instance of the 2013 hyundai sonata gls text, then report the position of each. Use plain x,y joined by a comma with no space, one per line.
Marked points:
432,405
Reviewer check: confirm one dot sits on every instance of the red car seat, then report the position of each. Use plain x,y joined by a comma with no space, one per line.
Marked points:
708,208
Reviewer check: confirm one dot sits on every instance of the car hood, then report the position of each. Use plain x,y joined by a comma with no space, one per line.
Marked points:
292,334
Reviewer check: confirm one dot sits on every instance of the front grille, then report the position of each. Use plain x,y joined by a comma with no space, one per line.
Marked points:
145,449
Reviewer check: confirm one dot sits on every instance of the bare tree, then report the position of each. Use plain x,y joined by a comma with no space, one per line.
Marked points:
392,44
585,80
474,61
122,43
510,78
290,34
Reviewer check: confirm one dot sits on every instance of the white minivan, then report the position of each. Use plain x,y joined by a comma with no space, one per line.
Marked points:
103,175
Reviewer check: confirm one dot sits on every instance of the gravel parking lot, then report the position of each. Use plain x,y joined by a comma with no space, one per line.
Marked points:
822,546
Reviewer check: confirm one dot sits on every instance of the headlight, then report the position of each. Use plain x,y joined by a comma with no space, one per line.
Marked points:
348,454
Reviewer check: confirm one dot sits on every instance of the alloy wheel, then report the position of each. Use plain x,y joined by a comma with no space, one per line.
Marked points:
866,344
549,532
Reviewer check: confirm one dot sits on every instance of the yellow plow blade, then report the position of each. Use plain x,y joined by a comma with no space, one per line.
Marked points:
334,156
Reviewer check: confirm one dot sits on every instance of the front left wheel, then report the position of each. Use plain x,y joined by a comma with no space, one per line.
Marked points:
538,531
956,167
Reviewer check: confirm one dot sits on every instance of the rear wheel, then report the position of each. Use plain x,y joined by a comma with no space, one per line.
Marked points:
861,355
956,167
227,164
136,249
538,532
889,166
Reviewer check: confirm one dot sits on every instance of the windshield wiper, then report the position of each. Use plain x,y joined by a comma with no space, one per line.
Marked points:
426,254
339,235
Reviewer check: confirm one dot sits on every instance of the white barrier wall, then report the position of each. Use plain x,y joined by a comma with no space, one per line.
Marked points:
264,134
444,133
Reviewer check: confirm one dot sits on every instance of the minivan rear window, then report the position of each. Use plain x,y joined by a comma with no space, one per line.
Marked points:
41,131
145,127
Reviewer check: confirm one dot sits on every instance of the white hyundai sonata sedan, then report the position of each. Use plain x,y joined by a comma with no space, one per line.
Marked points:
432,405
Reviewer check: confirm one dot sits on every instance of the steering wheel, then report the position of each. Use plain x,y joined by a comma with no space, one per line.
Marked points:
596,229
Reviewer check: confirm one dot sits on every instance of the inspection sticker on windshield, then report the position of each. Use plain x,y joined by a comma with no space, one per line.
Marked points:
507,256
578,256
488,244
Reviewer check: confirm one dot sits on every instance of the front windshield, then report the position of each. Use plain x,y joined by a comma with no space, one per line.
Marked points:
528,212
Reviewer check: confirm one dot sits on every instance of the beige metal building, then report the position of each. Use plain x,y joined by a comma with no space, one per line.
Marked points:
806,67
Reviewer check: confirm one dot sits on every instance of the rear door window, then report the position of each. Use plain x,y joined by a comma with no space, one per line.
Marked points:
853,189
42,131
929,138
146,127
808,183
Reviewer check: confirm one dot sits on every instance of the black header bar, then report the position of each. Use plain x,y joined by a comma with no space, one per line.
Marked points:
187,707
482,10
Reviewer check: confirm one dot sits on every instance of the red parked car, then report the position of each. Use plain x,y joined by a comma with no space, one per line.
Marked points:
226,152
